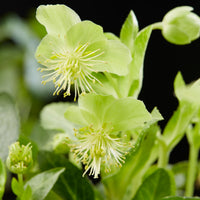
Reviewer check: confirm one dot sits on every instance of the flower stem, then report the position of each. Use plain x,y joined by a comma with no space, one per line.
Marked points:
157,25
163,154
20,179
192,169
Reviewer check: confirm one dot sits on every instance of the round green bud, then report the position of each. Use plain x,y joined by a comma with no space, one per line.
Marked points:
181,26
61,143
20,158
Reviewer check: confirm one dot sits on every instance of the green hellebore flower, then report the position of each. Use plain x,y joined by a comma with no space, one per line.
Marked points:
102,119
74,50
19,158
181,26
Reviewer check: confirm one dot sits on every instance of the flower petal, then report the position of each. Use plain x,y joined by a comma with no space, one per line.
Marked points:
115,57
73,114
85,32
50,45
57,19
126,114
95,104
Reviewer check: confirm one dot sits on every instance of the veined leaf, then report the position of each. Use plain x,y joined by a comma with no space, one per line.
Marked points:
42,183
2,178
70,185
180,198
9,123
155,186
131,174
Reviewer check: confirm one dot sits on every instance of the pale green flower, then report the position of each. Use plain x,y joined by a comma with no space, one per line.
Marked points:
100,142
19,158
181,26
73,51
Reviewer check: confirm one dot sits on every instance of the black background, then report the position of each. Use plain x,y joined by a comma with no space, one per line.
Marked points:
163,60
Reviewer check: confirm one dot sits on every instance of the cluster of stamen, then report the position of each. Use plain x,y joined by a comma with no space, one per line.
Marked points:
97,147
72,67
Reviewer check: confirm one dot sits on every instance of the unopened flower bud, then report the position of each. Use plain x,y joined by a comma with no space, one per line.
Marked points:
181,26
60,143
19,158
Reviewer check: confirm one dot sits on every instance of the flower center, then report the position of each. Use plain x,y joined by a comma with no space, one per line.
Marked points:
72,67
97,147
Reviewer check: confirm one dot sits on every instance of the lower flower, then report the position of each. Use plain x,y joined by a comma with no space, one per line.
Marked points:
95,147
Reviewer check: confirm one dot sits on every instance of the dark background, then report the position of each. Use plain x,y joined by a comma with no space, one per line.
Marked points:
163,60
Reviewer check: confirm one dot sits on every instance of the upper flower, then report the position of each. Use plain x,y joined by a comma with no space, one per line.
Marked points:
74,50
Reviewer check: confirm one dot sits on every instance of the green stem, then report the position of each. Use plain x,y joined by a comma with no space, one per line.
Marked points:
192,170
163,158
157,25
20,179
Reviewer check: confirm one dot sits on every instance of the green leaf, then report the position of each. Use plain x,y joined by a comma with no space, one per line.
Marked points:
131,84
155,186
27,194
136,67
9,123
129,30
187,93
53,196
70,185
17,188
57,18
180,198
2,178
137,163
127,113
42,183
180,171
52,117
176,127
178,82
